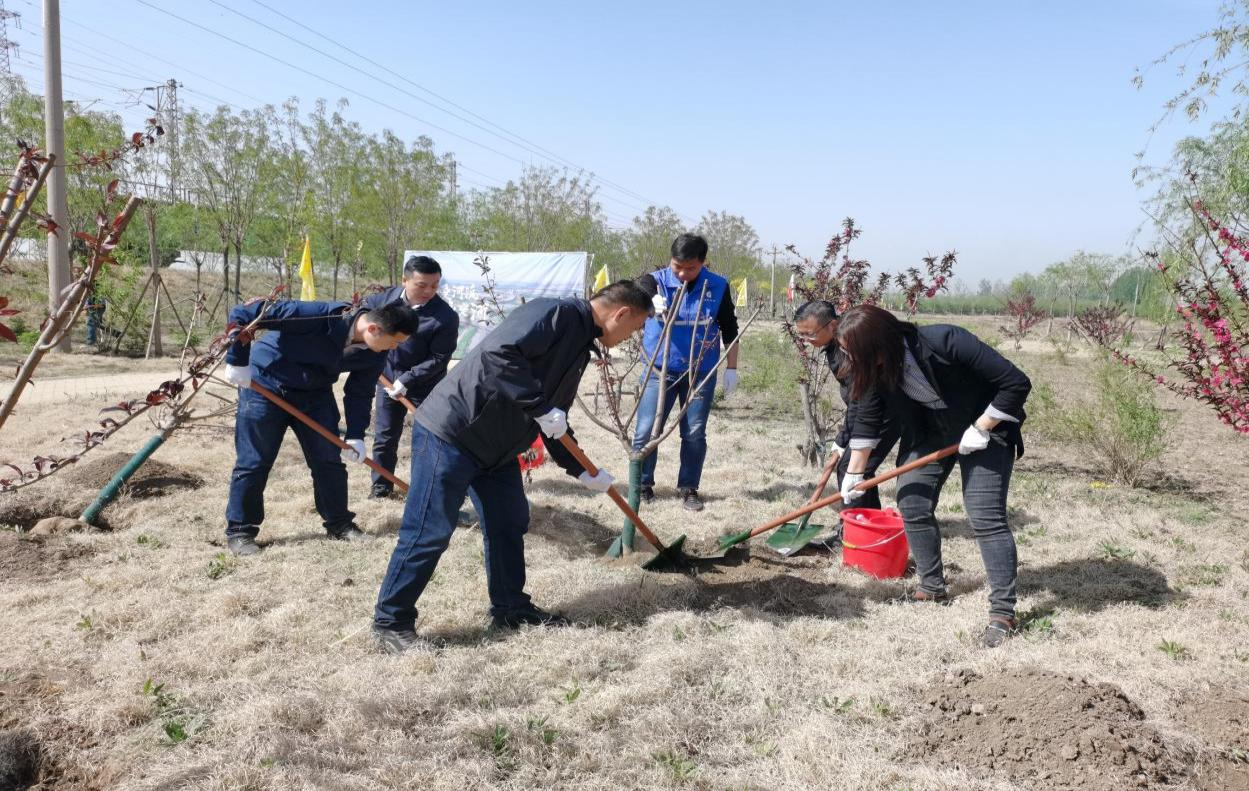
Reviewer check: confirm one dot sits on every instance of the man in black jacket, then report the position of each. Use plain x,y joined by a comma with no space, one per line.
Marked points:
816,323
520,379
417,364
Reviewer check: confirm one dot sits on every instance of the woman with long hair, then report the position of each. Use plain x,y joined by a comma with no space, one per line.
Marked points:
942,385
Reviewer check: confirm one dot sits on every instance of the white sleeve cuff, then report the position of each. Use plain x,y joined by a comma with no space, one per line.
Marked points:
998,414
862,443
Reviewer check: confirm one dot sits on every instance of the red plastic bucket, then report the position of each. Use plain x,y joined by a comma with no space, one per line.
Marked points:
874,542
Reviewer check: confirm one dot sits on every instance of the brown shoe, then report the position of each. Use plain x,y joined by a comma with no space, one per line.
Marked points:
921,596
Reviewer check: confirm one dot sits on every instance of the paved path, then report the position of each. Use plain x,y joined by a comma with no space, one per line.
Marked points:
55,391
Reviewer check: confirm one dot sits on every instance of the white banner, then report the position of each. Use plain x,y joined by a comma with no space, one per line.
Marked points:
517,277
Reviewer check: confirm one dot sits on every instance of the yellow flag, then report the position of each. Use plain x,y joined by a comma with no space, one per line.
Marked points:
601,280
741,291
308,287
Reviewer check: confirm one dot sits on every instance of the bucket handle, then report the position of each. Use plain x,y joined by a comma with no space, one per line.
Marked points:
847,545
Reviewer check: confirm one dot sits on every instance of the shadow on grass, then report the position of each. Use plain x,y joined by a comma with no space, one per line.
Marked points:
746,583
1093,584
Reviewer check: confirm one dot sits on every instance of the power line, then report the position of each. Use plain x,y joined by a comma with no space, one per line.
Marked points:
438,96
525,145
339,85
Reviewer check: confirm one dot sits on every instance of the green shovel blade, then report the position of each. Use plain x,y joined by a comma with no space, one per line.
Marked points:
793,536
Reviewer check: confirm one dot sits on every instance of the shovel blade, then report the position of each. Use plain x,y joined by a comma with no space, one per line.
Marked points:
671,558
793,536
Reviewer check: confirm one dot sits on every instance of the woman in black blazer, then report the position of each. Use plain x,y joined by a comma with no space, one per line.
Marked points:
943,385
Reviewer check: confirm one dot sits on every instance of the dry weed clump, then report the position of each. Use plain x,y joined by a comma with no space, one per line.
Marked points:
761,673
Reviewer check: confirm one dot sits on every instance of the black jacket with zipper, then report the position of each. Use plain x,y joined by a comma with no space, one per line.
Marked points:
532,362
967,373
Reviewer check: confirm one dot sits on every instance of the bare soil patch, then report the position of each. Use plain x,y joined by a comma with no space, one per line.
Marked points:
1045,730
27,560
154,479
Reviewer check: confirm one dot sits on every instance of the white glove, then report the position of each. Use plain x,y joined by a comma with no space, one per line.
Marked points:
554,423
834,454
730,381
848,493
598,483
660,303
239,375
396,390
354,454
974,439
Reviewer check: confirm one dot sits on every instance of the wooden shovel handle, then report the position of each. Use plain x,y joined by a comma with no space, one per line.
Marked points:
386,383
864,486
329,435
573,448
819,490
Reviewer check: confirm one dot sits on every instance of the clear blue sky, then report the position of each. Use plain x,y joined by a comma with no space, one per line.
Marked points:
1003,130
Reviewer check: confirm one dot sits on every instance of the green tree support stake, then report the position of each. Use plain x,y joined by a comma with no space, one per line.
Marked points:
110,490
624,543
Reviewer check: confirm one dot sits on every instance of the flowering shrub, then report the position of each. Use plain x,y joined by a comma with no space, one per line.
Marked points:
1213,303
1026,314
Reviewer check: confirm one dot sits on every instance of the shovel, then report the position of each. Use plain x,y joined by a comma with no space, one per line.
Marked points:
329,435
790,538
728,542
669,556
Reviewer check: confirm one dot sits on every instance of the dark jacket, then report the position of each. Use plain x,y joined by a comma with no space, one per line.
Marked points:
889,427
967,373
420,362
303,350
532,362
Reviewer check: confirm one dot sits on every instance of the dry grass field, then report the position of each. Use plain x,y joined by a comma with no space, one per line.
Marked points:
144,657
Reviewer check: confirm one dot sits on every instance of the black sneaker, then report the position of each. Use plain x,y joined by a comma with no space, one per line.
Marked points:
243,546
399,641
690,500
648,494
353,534
380,491
527,616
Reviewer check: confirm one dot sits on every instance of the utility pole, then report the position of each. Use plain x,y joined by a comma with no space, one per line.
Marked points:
772,290
6,43
166,110
54,122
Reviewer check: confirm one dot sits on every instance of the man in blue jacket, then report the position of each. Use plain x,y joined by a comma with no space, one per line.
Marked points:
417,364
521,379
703,321
299,359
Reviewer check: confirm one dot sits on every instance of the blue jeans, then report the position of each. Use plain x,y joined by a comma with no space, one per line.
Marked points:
442,475
258,432
986,480
693,426
388,415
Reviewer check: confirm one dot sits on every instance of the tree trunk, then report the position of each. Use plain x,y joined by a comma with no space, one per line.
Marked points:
238,269
154,344
334,287
225,268
810,449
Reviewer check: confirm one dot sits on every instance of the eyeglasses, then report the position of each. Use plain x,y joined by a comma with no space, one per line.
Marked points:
810,336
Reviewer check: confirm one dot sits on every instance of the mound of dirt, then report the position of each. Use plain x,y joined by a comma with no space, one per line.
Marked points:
1221,719
154,479
1044,730
24,560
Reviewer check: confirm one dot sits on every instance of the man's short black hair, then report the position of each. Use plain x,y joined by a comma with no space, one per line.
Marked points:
392,319
689,247
821,310
422,265
627,294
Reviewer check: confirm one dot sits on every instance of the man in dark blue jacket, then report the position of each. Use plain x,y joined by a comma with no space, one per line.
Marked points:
299,359
521,379
417,364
